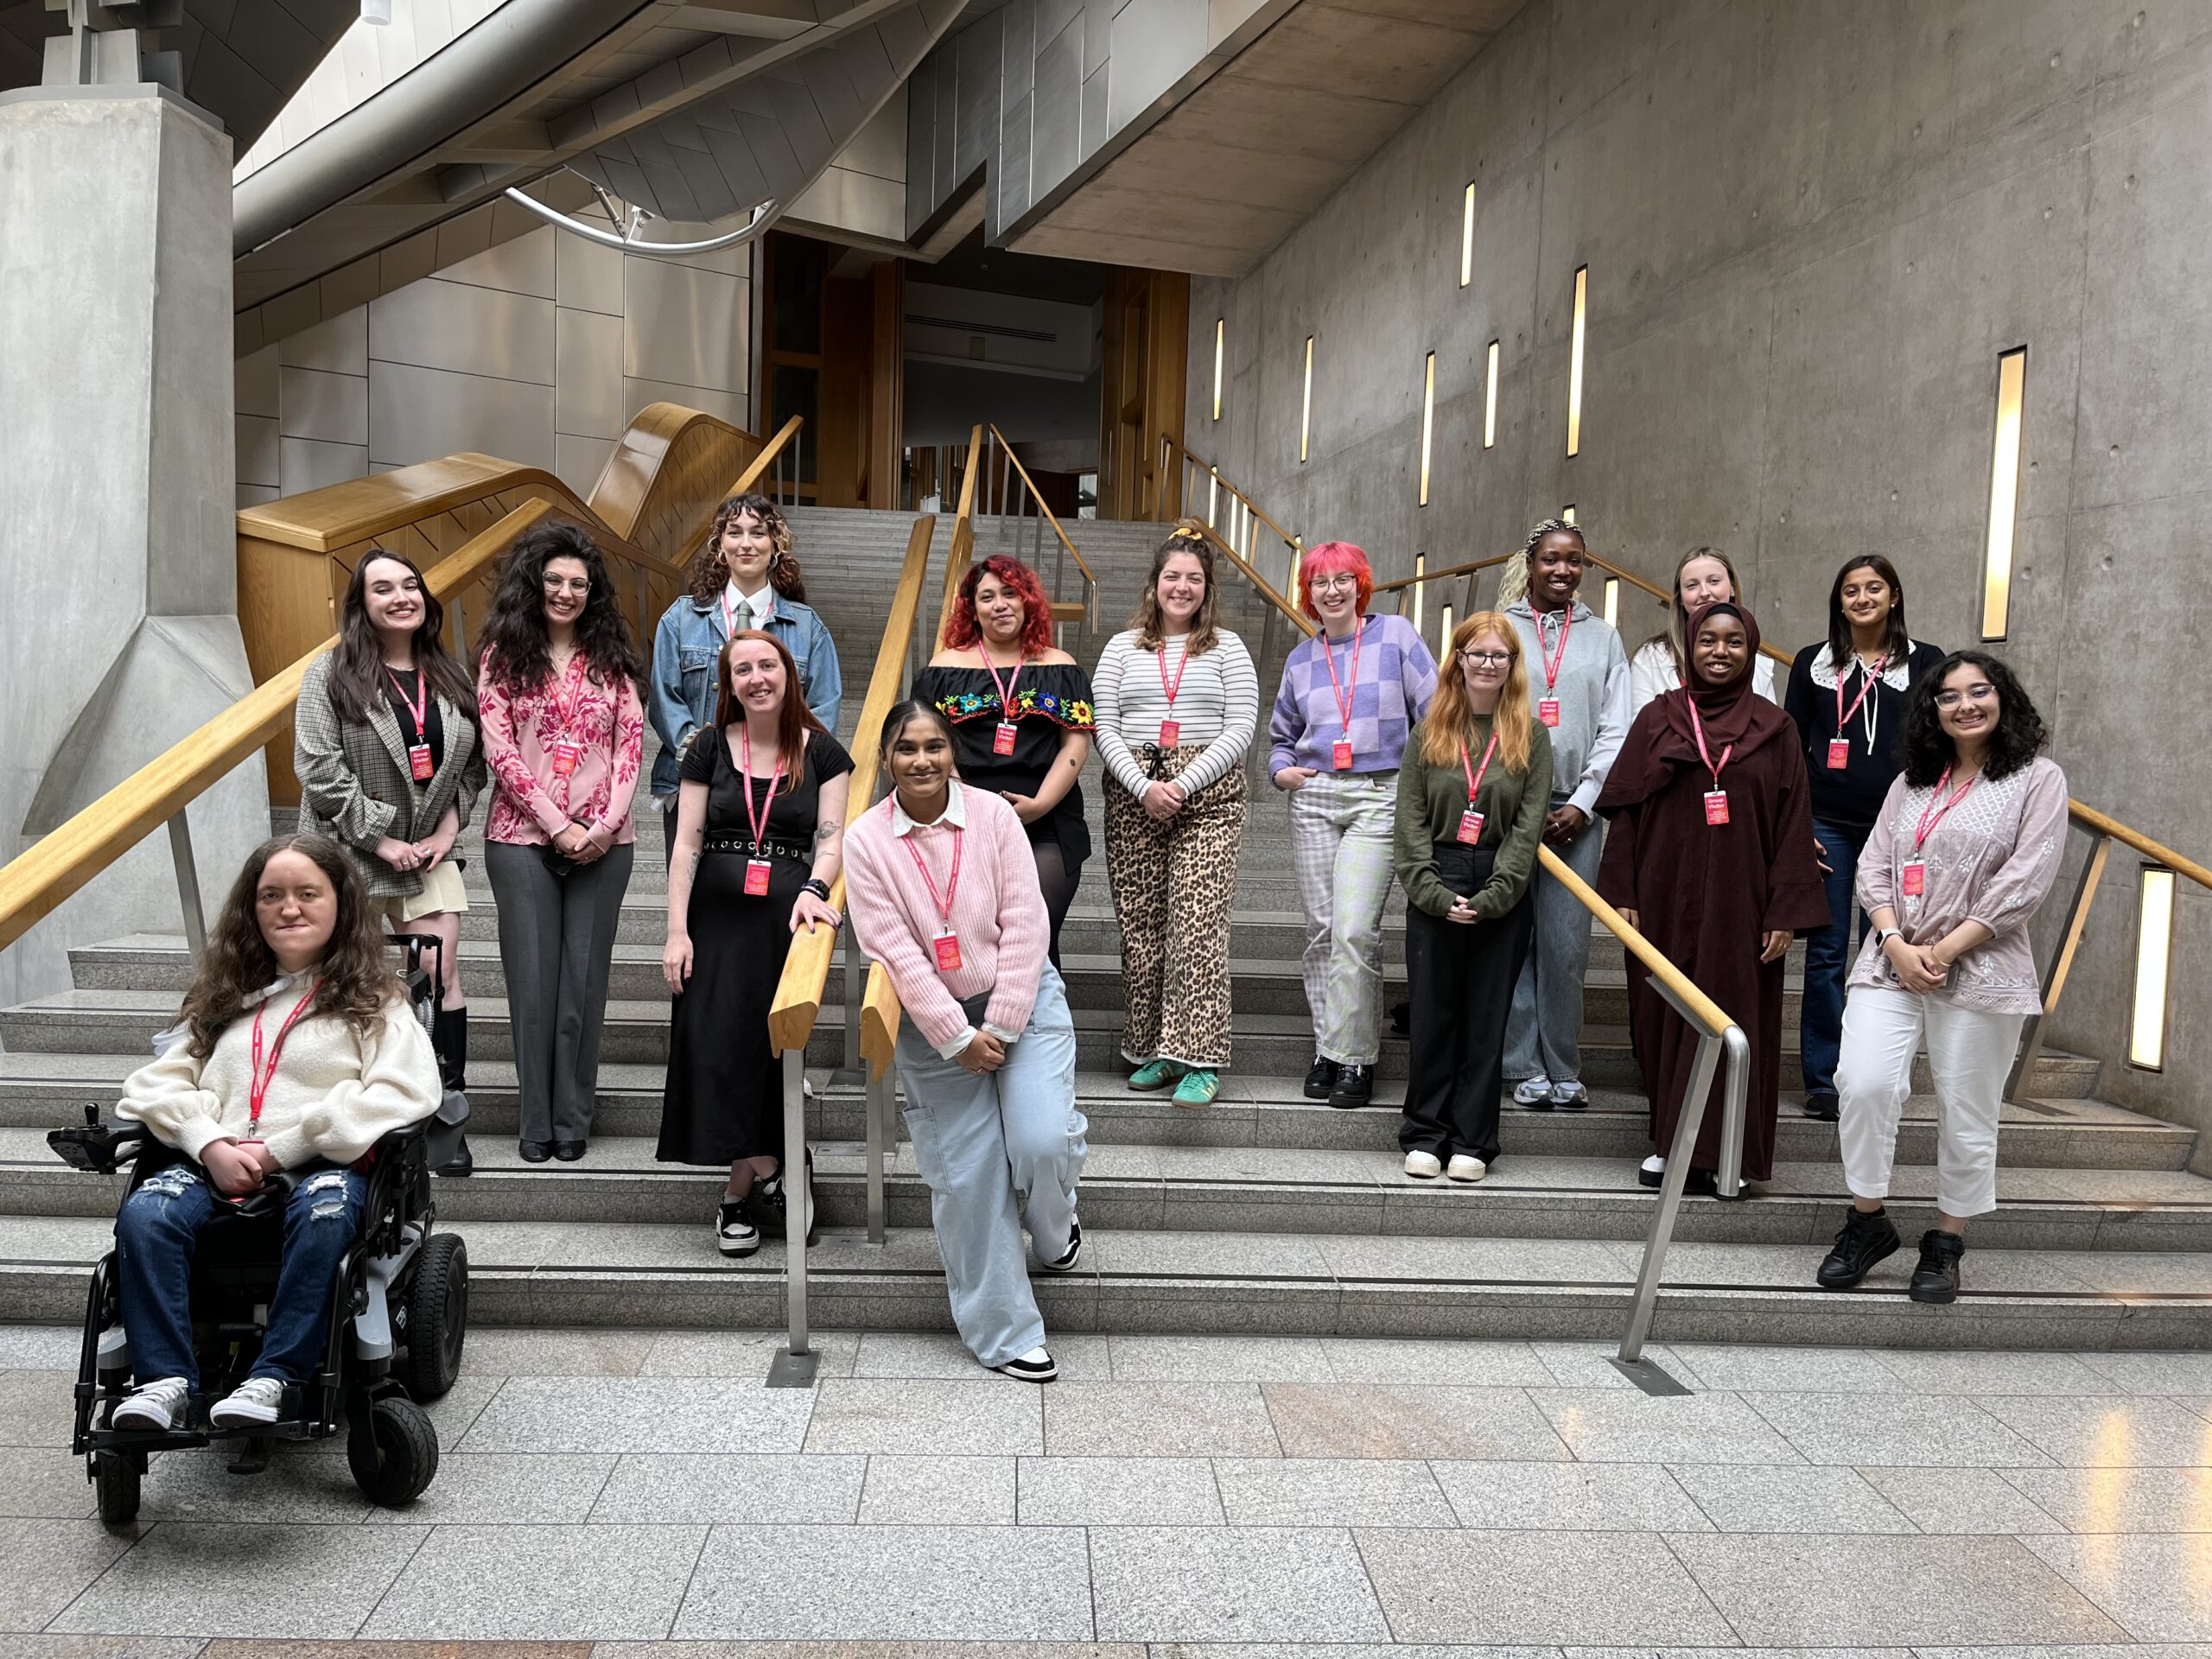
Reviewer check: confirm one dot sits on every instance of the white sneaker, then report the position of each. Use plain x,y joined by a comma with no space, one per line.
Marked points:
1653,1172
258,1400
155,1407
1534,1093
1467,1167
1035,1366
1426,1165
734,1233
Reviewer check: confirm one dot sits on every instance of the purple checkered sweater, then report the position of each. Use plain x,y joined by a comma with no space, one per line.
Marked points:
1397,677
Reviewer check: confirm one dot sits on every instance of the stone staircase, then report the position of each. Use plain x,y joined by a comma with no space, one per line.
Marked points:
1266,1213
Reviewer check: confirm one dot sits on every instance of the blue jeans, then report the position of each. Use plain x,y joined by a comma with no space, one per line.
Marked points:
157,1232
1829,956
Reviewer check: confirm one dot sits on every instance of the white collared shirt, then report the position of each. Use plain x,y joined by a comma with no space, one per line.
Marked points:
760,606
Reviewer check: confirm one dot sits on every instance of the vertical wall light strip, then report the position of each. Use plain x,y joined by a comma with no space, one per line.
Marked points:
1428,420
2004,495
1220,325
1467,239
1306,404
2146,1040
1420,569
1567,512
1443,635
1213,493
1574,365
1612,601
1490,399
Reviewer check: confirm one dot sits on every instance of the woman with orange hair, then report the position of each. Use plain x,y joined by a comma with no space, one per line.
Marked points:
1020,713
1350,697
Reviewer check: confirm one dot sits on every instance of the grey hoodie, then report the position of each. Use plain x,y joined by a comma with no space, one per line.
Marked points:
1592,692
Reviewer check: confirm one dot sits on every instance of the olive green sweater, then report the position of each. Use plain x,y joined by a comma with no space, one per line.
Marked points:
1430,801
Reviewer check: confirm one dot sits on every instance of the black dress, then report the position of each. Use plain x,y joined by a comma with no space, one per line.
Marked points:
723,1100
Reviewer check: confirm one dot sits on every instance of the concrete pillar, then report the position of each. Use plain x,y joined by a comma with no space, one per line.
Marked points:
117,487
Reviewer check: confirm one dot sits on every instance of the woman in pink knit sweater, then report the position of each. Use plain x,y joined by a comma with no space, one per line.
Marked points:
943,893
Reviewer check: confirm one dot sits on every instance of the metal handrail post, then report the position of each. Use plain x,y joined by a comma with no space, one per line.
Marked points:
187,884
850,1067
878,1126
2061,962
794,1364
1670,1201
1728,1180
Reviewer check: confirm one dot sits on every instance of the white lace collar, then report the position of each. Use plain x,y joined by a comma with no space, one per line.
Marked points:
1897,676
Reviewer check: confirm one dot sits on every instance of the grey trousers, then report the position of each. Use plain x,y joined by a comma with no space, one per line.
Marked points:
1543,1035
557,939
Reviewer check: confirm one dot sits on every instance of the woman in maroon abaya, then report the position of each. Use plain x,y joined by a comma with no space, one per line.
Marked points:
1710,854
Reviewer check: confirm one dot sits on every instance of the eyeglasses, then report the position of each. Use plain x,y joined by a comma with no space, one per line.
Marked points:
1981,692
568,584
1346,583
1486,659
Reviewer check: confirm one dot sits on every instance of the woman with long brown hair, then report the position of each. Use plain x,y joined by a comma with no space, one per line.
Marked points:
759,840
743,577
1178,701
1703,577
1472,796
296,1053
391,762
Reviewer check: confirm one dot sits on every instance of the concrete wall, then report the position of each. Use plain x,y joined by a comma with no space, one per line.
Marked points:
1810,231
538,350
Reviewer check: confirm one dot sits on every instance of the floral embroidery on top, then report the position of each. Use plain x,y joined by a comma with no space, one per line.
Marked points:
1073,713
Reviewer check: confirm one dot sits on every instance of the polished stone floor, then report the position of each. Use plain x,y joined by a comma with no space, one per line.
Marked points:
1192,1494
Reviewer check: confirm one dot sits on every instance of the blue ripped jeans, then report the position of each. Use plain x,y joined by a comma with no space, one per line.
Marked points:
158,1230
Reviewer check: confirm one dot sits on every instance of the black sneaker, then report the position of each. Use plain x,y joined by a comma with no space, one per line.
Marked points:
1937,1278
1035,1366
734,1233
1322,1079
1827,1108
1355,1086
1866,1239
1065,1261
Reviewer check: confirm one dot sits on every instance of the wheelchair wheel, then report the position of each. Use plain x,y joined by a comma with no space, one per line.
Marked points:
437,1316
116,1476
394,1454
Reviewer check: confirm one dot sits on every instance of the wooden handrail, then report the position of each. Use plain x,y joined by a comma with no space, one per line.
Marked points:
1050,517
798,1003
1250,506
34,884
1444,575
961,551
2089,818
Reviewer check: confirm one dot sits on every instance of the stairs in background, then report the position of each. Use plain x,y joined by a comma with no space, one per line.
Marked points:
1266,1213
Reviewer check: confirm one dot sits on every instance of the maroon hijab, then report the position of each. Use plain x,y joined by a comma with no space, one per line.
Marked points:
1734,716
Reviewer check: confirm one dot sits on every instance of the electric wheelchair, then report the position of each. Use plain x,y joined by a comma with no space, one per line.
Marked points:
399,1313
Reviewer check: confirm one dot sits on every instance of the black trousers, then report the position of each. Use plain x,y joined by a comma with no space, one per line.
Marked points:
1462,980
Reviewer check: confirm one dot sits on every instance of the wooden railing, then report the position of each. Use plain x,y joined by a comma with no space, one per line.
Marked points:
1030,505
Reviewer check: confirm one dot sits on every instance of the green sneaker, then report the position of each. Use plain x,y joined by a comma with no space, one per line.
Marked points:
1199,1085
1154,1074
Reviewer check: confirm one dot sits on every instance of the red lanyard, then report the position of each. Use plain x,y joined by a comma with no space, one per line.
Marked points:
1346,690
1474,773
952,882
759,820
566,708
418,708
1160,659
1704,753
1932,814
1867,686
1005,687
257,1089
1552,661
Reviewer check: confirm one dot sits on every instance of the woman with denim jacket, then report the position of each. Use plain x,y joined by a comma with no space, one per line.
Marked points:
743,577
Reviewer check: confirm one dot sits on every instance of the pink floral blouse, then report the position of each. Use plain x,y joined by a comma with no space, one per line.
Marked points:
531,801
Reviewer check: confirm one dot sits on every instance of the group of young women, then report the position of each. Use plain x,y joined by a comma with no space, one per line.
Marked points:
1889,773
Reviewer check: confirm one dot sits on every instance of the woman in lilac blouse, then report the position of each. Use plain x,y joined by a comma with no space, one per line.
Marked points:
1963,852
1349,695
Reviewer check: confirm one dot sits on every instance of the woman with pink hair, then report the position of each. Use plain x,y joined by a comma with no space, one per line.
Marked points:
1350,696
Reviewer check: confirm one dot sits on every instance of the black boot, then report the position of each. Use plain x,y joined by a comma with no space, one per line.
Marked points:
1866,1239
1937,1278
450,1039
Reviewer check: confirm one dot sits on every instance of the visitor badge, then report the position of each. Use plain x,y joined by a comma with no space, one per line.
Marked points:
947,946
1003,740
1716,806
418,761
756,878
1548,711
1915,879
1169,731
1839,754
566,753
1340,757
1470,826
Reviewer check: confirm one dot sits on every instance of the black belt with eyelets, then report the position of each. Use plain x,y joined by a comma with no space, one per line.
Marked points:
745,847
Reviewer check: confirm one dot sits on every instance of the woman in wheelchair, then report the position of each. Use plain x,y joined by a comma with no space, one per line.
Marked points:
296,1051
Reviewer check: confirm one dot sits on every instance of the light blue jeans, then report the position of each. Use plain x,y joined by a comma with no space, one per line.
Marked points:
1543,1035
993,1149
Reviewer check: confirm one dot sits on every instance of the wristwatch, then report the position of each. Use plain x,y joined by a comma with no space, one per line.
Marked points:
1883,935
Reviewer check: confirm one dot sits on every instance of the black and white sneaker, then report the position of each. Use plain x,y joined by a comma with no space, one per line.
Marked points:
767,1205
1321,1078
734,1233
1065,1261
1035,1366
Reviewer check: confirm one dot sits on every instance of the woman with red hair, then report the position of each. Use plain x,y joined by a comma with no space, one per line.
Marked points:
1350,697
1020,713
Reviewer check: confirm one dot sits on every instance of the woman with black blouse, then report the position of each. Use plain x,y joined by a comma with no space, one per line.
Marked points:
1021,717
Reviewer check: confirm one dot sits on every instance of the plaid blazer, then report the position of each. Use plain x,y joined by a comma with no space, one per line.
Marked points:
356,786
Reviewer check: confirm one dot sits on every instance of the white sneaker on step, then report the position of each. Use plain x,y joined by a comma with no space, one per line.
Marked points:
1534,1093
1426,1165
1464,1166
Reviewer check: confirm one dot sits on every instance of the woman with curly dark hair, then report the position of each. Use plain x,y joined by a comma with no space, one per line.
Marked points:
743,577
564,731
330,1061
1961,856
1021,710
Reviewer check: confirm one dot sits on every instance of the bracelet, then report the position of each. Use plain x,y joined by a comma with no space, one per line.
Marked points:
817,886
